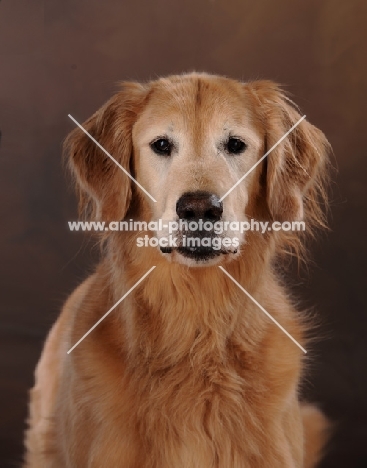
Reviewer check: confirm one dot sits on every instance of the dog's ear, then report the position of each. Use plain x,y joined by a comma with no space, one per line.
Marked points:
104,189
295,168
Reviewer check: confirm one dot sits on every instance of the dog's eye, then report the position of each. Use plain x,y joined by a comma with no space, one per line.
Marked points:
235,146
162,146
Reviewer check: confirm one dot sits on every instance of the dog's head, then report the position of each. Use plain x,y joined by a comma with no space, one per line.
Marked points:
188,140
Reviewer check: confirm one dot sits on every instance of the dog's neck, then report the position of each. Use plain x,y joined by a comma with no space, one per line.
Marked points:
180,313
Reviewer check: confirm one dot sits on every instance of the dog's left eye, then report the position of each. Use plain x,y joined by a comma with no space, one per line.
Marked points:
235,146
162,146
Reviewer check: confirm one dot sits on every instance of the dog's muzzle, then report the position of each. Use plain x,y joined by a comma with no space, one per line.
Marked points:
195,207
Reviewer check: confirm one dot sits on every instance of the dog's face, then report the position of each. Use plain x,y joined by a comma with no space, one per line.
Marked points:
193,141
188,140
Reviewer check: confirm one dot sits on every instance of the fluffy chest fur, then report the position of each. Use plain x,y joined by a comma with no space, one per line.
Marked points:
193,383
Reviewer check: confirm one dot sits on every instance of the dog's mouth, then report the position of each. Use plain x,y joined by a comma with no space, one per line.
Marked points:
197,252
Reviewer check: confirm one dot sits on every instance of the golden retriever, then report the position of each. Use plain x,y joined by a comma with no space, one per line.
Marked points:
187,371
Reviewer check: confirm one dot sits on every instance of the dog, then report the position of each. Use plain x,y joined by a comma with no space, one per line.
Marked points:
186,371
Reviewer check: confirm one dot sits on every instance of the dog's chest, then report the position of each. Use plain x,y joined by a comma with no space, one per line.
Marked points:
200,417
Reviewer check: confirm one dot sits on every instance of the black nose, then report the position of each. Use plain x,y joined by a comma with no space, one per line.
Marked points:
199,205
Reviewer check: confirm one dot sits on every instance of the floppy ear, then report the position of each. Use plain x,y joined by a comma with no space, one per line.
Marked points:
295,169
104,189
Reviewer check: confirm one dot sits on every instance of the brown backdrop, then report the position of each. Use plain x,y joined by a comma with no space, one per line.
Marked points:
59,57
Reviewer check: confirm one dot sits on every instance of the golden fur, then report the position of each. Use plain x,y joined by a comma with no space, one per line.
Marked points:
186,372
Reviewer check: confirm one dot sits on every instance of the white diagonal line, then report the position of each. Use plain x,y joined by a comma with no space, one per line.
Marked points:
113,307
262,308
111,157
261,159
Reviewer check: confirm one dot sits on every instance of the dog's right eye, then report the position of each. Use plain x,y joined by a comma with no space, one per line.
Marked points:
162,146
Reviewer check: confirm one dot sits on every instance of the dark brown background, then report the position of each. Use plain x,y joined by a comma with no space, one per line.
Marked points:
64,56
